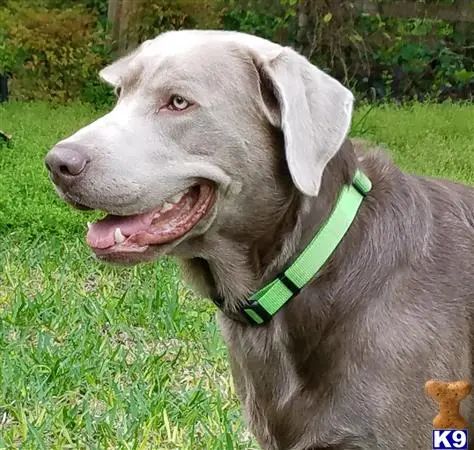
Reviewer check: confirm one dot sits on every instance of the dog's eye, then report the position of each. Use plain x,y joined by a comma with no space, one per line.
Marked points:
118,91
178,103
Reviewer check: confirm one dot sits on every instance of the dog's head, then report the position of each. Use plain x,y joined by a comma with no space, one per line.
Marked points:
210,131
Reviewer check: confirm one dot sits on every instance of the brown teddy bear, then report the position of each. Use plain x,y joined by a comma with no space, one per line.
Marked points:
449,396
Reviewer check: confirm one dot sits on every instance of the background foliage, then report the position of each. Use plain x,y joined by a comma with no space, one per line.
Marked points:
53,54
54,48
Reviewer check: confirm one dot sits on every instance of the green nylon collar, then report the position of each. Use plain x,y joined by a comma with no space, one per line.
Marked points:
267,301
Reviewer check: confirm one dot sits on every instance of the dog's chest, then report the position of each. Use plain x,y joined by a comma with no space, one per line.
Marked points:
266,383
277,404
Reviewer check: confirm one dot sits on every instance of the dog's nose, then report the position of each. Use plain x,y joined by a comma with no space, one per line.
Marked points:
65,164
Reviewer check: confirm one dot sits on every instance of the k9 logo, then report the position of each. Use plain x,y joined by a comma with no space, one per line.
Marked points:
449,439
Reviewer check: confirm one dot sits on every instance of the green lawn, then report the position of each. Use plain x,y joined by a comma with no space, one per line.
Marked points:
99,357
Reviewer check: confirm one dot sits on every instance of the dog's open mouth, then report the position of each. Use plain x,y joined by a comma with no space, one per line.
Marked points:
163,225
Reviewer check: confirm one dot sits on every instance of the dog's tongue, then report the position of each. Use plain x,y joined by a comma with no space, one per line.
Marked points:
101,233
173,219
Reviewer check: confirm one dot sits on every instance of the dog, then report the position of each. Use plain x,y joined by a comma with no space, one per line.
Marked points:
230,152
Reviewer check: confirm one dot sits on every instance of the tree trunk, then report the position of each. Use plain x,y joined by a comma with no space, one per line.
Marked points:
3,87
304,27
463,27
122,17
113,18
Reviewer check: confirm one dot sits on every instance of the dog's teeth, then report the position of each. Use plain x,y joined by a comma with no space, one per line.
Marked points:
118,236
166,207
89,225
176,198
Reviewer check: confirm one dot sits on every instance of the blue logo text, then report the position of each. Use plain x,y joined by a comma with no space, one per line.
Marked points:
449,439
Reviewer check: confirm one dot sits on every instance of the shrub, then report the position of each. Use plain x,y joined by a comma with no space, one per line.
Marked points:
152,17
55,48
8,54
61,51
270,19
416,58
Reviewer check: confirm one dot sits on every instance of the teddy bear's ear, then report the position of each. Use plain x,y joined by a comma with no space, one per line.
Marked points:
461,389
434,387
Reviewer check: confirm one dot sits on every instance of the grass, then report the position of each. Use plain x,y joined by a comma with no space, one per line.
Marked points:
98,357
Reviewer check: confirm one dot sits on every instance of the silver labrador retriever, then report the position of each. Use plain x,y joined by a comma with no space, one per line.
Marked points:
230,152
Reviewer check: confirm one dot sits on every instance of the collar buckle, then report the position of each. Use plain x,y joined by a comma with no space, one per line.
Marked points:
288,282
256,314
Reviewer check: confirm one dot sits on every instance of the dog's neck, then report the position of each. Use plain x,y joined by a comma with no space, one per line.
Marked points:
246,269
303,218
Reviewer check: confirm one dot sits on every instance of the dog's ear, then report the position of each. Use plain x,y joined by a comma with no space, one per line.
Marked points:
312,109
113,73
